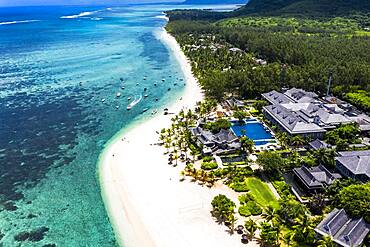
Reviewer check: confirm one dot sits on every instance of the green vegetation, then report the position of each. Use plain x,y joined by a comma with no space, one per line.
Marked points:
359,98
304,7
216,126
261,192
209,165
223,209
355,200
240,115
239,186
297,25
300,51
270,161
343,135
250,208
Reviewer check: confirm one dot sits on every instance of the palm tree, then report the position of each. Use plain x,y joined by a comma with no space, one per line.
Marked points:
232,220
325,157
270,214
326,241
297,141
246,144
251,226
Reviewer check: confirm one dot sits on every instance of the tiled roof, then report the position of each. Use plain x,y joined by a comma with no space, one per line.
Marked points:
317,176
318,144
291,121
344,230
276,98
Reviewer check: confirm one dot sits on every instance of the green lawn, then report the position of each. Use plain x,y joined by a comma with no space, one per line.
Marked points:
261,192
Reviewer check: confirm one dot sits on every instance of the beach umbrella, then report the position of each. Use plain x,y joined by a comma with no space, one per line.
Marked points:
239,229
244,238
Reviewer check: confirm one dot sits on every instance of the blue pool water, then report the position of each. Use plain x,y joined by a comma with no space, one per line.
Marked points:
254,130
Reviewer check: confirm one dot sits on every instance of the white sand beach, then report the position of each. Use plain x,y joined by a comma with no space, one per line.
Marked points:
146,202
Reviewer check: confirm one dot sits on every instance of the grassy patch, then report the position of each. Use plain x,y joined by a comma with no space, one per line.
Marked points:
261,192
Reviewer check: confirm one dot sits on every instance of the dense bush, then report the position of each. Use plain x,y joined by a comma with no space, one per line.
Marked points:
239,187
355,200
209,165
216,126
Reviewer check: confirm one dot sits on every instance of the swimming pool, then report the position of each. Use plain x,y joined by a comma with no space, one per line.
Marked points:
254,130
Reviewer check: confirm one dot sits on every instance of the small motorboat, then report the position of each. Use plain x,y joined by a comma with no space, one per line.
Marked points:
169,89
118,95
145,96
117,106
129,98
123,87
156,99
145,109
163,79
155,84
137,84
175,84
154,111
103,100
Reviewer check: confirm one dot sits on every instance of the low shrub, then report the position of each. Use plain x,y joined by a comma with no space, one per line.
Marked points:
253,208
244,211
207,159
209,165
243,199
239,187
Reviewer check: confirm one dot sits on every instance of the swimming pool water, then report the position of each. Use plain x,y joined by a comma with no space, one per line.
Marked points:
253,130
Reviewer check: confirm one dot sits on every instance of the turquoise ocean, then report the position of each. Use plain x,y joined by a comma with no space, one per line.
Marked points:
67,75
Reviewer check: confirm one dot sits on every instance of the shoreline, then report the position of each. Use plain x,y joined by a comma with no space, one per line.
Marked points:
126,221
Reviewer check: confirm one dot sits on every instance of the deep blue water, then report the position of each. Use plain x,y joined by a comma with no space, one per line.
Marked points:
54,74
253,130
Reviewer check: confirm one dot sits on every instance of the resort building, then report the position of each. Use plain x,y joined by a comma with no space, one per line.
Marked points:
224,141
291,122
315,178
232,102
354,164
298,112
344,230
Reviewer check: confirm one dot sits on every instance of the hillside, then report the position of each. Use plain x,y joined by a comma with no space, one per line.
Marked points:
215,2
305,7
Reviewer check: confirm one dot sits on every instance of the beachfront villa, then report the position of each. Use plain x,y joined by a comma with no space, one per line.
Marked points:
298,112
316,178
344,230
354,164
224,141
227,141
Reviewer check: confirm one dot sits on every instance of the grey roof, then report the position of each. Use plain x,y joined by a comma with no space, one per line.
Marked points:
291,121
354,153
344,230
275,97
356,164
318,144
300,95
317,112
315,177
225,136
225,139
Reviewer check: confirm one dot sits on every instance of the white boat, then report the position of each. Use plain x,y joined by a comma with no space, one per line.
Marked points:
145,109
133,103
154,111
103,100
118,95
145,95
129,98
